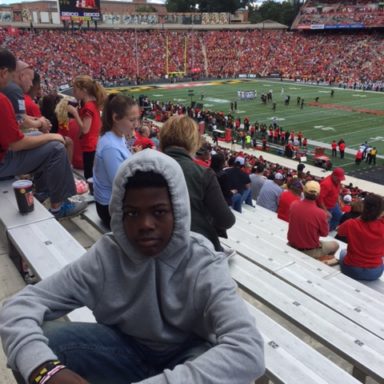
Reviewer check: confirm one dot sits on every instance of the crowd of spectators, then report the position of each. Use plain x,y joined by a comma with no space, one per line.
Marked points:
369,13
132,56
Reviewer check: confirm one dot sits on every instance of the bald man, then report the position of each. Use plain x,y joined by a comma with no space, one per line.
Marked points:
21,83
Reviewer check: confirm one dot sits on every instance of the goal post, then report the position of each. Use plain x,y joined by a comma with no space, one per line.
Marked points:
167,57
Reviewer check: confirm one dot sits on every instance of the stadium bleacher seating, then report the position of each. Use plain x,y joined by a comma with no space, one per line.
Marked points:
352,61
340,313
39,239
328,14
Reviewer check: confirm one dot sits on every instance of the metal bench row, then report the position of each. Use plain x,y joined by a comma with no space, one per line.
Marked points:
47,247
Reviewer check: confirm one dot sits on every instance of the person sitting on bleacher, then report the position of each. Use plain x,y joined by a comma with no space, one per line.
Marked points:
166,307
288,197
330,196
363,258
257,180
270,192
21,83
307,222
43,155
239,183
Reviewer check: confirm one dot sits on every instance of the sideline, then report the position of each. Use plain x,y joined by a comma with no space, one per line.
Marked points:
316,171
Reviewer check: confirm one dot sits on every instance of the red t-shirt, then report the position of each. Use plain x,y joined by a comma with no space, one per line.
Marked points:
365,242
359,155
89,140
9,132
346,208
144,142
329,192
31,108
202,163
286,199
73,132
307,222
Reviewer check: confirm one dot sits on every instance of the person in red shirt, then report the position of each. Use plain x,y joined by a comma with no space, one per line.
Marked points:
330,195
142,138
358,157
91,96
307,222
42,155
347,201
31,108
203,156
300,138
292,194
342,148
363,258
334,148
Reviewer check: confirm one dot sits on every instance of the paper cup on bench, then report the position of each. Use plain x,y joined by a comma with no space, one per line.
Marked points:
24,195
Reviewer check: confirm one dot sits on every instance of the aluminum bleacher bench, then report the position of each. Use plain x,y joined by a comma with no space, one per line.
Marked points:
9,213
354,300
91,216
40,240
358,346
288,359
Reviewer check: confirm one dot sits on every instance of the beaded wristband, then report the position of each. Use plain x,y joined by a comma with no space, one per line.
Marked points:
51,373
45,369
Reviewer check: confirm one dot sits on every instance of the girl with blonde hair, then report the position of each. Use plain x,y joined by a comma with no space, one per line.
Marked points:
91,96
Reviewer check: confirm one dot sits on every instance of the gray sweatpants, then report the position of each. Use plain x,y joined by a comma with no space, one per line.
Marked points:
50,166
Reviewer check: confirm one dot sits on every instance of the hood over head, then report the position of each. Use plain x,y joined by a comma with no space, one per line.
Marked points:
145,161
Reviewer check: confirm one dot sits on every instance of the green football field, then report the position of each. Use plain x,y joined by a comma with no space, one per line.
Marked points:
355,116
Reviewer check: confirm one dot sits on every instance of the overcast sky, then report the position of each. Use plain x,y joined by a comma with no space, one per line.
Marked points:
151,1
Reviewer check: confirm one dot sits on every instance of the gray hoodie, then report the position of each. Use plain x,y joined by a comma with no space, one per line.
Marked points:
161,301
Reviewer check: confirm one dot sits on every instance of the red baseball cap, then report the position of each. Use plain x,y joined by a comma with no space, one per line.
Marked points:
339,173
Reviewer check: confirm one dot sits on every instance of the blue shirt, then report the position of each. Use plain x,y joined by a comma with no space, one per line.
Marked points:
111,151
269,195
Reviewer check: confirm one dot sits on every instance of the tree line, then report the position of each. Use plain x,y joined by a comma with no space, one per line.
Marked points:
284,12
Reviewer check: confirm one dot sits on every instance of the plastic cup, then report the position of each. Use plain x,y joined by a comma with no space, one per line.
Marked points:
24,195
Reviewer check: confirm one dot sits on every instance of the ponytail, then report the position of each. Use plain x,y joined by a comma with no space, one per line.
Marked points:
99,93
115,104
93,88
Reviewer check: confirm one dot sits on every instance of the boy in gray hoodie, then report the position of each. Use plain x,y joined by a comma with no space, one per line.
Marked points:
166,307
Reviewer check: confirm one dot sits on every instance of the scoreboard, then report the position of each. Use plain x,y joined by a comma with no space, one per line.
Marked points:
79,9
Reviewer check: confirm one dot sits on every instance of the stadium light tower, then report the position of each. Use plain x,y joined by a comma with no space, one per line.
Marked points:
137,56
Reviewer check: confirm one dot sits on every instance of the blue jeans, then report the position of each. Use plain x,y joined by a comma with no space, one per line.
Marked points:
335,218
239,198
359,273
103,354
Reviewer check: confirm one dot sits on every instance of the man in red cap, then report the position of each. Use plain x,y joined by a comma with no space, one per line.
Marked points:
330,195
